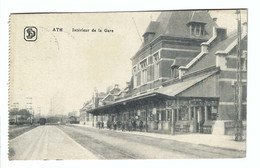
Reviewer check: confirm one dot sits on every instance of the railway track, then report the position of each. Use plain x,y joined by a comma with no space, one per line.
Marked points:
193,150
100,148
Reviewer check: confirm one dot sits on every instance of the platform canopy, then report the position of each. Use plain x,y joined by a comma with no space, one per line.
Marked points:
167,92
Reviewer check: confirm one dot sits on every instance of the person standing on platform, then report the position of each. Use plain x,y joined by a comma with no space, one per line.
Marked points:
141,125
102,124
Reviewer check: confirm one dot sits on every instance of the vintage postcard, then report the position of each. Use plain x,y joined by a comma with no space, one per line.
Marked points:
128,85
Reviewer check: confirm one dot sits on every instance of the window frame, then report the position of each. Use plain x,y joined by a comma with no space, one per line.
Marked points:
156,59
143,66
175,72
135,76
197,29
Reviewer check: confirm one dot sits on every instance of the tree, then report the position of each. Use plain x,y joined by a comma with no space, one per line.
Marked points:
13,112
24,112
21,115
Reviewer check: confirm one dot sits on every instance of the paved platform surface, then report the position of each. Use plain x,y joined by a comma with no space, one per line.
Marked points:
220,141
46,143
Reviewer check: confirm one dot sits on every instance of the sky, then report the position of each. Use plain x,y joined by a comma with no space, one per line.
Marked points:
63,68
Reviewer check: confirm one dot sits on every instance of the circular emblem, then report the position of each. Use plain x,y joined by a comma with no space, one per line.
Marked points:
30,33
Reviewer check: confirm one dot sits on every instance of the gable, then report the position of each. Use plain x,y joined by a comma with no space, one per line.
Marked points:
204,88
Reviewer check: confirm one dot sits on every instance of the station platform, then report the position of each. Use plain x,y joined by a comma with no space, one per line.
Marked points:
218,141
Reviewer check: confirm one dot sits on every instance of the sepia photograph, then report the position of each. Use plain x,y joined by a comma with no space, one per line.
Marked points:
166,84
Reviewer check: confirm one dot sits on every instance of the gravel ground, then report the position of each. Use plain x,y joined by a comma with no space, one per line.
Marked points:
106,144
16,131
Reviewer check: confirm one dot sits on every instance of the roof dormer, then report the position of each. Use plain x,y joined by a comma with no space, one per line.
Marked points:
197,25
197,29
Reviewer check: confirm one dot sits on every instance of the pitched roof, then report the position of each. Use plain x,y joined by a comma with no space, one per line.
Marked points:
115,91
209,59
180,62
175,24
109,97
197,17
175,89
101,95
152,27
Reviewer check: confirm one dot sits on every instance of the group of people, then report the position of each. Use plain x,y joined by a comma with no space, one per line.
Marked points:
100,124
130,125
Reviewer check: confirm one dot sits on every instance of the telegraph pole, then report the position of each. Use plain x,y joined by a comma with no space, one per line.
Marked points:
51,107
38,112
15,106
238,86
30,108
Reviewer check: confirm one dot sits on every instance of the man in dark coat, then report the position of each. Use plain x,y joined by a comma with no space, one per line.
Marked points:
141,125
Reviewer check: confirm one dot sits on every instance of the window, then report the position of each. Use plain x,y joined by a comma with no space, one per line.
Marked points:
143,66
156,57
163,115
135,76
134,70
169,115
197,29
135,80
209,112
175,72
144,76
183,114
156,71
244,64
150,60
156,66
214,113
138,78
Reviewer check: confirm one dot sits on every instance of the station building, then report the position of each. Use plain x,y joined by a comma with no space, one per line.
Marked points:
183,78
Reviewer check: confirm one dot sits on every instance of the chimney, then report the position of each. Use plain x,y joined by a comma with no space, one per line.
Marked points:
116,86
204,47
128,84
181,72
221,33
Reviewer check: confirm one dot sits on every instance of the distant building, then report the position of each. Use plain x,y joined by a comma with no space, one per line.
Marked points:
183,77
99,99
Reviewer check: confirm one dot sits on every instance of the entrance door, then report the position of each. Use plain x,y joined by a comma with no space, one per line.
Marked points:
200,119
197,120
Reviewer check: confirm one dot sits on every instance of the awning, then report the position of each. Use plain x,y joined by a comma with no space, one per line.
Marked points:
169,91
179,87
126,100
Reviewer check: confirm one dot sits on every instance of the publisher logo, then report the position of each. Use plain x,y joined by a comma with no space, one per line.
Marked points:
30,33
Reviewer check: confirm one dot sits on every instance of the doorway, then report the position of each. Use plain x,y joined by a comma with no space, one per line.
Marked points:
199,119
